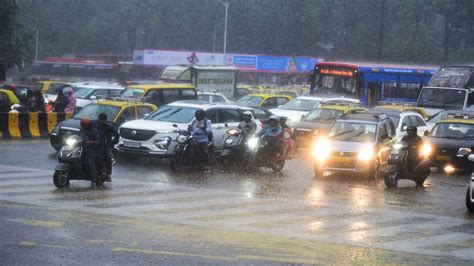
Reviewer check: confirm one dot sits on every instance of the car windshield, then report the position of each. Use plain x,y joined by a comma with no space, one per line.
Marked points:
300,105
250,100
131,92
93,111
337,85
442,98
323,115
173,114
84,93
353,131
453,130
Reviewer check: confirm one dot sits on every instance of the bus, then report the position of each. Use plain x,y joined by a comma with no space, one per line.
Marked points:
451,87
372,84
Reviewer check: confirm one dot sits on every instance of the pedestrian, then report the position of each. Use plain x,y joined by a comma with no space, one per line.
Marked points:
91,149
40,105
30,101
110,137
61,102
71,106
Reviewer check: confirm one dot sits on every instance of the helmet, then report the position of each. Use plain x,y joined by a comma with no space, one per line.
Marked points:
274,118
200,114
247,116
86,122
411,130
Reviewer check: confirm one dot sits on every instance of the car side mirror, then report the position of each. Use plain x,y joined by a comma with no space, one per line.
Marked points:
147,114
471,157
93,97
404,128
426,133
226,125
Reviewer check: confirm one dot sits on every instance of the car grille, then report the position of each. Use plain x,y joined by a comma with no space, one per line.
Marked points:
342,160
136,134
141,150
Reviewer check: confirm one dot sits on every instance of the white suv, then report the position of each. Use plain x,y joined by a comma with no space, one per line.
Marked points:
155,135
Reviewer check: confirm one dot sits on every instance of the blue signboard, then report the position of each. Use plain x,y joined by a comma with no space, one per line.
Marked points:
285,64
245,61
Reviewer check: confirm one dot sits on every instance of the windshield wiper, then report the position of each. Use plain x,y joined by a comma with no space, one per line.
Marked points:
342,133
358,134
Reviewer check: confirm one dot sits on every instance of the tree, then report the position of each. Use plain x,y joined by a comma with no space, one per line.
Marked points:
14,42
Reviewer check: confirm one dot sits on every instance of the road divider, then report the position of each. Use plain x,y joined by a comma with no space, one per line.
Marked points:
29,125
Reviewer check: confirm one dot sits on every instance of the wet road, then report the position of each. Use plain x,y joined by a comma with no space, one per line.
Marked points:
150,215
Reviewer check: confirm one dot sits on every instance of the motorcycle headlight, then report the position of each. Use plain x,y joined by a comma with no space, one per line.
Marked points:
181,139
426,149
464,152
252,143
366,154
321,150
71,142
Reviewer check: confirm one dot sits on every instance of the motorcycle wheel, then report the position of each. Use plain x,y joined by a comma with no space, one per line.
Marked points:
60,179
391,179
469,203
420,180
278,163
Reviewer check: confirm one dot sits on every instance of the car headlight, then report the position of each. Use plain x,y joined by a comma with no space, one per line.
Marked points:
426,149
321,149
464,152
366,154
71,142
181,139
252,143
162,144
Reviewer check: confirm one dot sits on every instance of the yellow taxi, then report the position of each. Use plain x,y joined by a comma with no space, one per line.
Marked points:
450,142
266,101
161,93
7,99
319,120
404,108
49,86
118,110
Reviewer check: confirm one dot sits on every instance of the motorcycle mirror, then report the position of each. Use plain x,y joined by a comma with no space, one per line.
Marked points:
174,125
426,133
226,125
471,157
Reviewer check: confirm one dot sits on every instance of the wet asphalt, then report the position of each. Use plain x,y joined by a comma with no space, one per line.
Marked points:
150,215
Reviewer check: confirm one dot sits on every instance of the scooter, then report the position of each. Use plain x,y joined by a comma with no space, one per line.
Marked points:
264,152
70,165
186,151
233,149
470,189
397,169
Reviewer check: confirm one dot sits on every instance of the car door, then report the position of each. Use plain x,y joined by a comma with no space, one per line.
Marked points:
229,116
127,114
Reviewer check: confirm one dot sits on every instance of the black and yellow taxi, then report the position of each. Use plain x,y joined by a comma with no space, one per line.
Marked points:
161,94
7,99
451,141
50,86
319,120
118,111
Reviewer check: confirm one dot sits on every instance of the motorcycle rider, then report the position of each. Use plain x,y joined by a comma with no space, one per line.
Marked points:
272,127
110,137
247,124
201,130
287,139
414,142
91,148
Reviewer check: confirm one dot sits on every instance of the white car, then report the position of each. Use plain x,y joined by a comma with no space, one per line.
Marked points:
402,120
86,91
212,97
155,135
295,109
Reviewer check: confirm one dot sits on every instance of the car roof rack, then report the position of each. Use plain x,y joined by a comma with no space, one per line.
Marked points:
458,116
401,104
118,98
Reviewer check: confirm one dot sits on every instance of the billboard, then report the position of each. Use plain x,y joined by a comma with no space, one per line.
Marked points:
245,62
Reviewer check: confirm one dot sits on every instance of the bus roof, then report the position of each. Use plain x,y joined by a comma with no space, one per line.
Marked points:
381,67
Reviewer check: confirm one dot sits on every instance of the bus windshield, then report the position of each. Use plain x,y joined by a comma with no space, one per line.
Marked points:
335,85
442,98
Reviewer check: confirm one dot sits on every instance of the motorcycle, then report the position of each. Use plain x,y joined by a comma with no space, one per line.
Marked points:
264,151
397,166
70,165
470,189
188,151
233,149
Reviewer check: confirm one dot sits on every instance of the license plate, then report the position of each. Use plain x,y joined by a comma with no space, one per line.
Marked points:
342,160
132,144
443,158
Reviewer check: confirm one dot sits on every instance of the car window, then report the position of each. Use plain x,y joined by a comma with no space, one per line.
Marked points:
128,114
170,95
142,110
3,98
212,115
281,101
230,116
383,130
188,94
419,121
218,99
204,98
406,121
270,103
101,92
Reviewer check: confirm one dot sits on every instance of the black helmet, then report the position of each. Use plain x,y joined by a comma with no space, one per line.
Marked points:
412,130
200,114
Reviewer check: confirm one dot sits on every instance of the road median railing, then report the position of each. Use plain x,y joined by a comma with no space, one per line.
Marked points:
29,125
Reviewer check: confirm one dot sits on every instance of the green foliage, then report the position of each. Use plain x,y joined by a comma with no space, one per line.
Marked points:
415,31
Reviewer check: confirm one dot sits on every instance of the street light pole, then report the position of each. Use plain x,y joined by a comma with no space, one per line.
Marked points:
36,43
226,5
